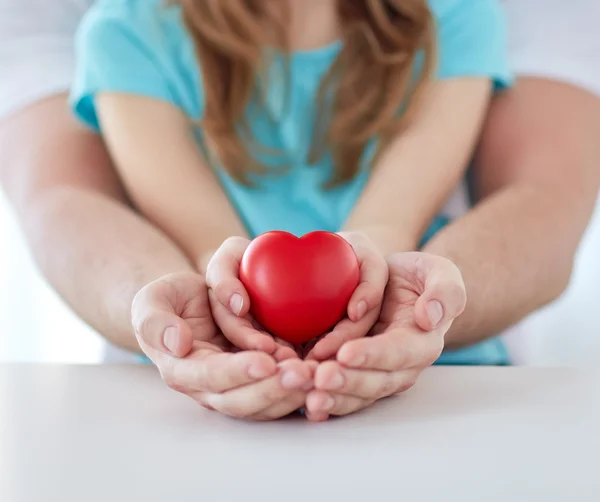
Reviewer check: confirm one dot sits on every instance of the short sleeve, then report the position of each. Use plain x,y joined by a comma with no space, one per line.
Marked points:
472,40
116,51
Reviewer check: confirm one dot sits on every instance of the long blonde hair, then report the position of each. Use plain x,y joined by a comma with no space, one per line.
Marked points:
371,79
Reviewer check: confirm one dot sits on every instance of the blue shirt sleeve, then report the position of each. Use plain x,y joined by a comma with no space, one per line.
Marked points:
117,50
472,40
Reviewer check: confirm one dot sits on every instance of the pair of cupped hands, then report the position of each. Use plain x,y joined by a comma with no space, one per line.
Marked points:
198,331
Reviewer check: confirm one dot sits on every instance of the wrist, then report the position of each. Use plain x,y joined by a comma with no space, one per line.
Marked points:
387,239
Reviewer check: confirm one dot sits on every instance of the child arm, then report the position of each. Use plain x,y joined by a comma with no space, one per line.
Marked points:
419,169
129,88
159,161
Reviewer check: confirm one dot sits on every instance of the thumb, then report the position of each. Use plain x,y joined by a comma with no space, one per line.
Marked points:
157,324
444,297
442,293
222,276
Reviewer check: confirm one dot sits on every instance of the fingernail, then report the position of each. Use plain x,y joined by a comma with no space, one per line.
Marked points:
358,361
171,339
337,382
291,380
257,372
236,303
361,310
329,404
435,312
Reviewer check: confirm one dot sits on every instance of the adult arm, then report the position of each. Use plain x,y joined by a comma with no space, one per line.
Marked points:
99,255
90,245
536,179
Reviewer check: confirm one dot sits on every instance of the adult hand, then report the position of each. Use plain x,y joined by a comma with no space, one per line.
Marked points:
425,293
175,329
364,305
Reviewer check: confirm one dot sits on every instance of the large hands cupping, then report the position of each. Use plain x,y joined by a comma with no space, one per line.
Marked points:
175,329
425,293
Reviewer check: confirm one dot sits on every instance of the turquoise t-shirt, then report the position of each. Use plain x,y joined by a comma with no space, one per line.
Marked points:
141,47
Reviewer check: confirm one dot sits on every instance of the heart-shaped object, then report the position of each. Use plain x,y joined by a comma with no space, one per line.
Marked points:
299,287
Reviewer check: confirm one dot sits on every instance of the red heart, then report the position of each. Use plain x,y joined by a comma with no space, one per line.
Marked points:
299,287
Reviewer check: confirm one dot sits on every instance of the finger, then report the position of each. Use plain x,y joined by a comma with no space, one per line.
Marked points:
443,297
283,408
250,400
284,352
345,331
316,416
209,370
370,385
320,403
368,296
222,276
395,350
373,276
365,303
239,330
288,405
156,324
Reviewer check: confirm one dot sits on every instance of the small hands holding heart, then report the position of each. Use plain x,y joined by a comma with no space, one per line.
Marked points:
323,288
372,325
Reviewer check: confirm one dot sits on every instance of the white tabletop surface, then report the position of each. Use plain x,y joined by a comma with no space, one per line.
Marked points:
75,434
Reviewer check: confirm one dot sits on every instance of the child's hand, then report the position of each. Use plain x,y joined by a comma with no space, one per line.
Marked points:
230,303
364,305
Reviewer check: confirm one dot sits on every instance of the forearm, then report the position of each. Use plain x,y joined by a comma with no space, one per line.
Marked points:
106,255
93,249
515,251
537,176
157,155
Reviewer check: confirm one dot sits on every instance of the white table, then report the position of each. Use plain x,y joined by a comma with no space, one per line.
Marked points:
87,434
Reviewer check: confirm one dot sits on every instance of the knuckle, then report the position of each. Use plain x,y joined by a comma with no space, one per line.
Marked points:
224,288
207,381
237,242
372,293
203,378
395,359
358,387
171,381
456,291
270,396
232,246
407,384
143,325
386,387
211,276
450,266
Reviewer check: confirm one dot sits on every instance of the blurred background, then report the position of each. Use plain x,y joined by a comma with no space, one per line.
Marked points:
35,326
